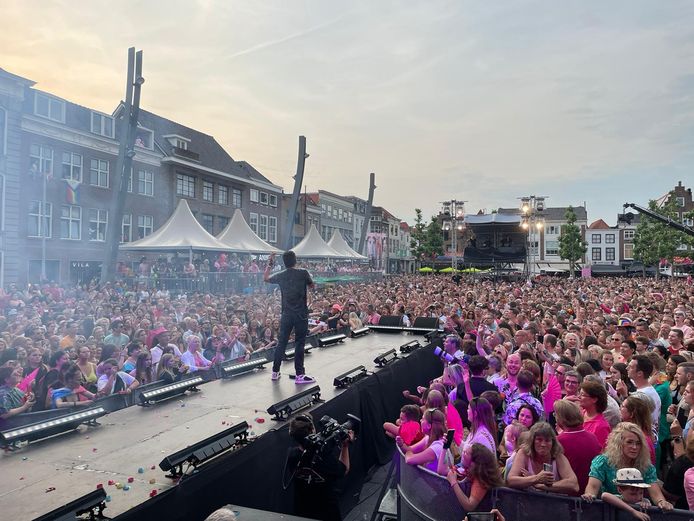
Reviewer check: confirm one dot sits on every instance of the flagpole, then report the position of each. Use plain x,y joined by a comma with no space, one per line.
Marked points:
43,231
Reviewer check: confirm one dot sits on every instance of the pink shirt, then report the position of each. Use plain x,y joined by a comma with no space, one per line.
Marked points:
599,427
453,421
689,487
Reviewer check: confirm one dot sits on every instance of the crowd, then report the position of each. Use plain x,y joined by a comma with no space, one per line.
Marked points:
580,387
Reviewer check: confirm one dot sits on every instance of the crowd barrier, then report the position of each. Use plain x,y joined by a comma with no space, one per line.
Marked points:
234,282
426,496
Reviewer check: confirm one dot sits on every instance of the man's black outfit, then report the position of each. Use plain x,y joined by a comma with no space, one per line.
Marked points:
293,283
315,488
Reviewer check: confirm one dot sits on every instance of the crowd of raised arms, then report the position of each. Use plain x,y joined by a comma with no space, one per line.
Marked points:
579,387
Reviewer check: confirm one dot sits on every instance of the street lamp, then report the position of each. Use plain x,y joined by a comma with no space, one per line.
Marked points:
453,221
532,220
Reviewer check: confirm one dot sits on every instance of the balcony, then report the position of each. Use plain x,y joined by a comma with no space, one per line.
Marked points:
187,154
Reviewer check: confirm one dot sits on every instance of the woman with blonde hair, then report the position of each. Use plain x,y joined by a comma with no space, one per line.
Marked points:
354,321
635,409
541,464
626,448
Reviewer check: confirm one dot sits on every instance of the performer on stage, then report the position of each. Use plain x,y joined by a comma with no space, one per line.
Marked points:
294,283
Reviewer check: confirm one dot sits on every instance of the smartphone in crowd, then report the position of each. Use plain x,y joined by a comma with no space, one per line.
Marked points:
449,438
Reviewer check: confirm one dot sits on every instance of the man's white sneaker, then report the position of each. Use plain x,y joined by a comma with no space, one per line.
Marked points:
275,375
304,379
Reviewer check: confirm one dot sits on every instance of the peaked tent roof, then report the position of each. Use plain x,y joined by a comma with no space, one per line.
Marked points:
313,246
239,237
181,232
337,242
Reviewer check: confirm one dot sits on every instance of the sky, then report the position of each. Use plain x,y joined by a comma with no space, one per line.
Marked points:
580,101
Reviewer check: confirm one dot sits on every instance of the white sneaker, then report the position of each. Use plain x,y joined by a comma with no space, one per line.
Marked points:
304,379
275,375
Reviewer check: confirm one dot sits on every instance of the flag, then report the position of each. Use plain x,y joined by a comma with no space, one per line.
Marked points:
71,195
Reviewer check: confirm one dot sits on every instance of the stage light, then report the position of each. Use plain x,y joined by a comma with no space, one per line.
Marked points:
359,332
93,503
331,339
205,450
233,368
43,429
289,354
410,346
167,391
384,359
348,378
283,409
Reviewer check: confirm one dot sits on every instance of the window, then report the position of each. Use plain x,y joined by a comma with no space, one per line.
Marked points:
609,238
339,213
208,222
609,254
254,195
98,220
679,201
349,217
273,200
40,222
40,160
144,138
126,230
253,222
72,166
629,235
49,107
182,144
552,230
185,185
688,221
263,198
98,173
145,183
102,124
330,210
223,194
629,251
145,224
596,238
223,221
272,230
70,222
3,131
551,247
596,254
207,191
236,197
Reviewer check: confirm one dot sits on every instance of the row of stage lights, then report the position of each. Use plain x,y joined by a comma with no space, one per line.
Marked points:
201,452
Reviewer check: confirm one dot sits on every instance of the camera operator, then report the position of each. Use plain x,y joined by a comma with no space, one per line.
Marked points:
316,471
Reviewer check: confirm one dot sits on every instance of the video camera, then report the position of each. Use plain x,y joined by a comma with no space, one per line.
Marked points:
331,433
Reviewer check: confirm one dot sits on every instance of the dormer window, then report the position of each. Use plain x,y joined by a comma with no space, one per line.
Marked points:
144,138
102,124
177,141
49,107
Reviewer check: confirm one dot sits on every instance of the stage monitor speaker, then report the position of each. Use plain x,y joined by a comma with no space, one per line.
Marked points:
389,321
426,323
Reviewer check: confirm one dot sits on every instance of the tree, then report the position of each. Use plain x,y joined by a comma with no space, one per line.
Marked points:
572,246
654,240
426,239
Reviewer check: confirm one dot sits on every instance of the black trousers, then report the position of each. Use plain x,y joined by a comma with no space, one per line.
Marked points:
299,324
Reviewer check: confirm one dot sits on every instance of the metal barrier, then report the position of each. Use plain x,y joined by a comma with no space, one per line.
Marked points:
426,496
238,283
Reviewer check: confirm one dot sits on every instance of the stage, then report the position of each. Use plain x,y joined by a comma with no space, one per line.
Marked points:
49,473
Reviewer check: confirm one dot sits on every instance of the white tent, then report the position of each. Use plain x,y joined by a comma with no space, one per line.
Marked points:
238,237
313,246
337,242
181,232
